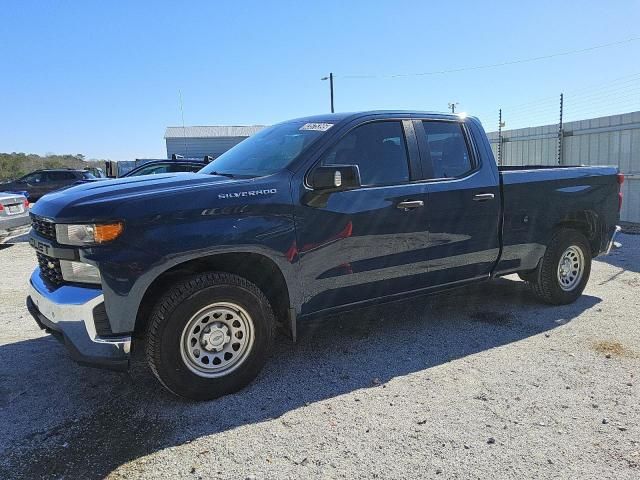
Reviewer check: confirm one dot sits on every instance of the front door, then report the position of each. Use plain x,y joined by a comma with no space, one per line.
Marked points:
35,185
366,243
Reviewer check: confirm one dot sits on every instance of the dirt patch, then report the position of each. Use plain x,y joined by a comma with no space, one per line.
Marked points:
613,349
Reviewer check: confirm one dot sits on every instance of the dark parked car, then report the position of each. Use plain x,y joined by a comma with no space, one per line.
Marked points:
304,218
38,183
166,166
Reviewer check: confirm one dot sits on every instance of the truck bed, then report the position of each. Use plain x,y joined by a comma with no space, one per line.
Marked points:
538,198
511,168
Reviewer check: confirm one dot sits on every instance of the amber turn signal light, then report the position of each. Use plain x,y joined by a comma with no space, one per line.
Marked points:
107,232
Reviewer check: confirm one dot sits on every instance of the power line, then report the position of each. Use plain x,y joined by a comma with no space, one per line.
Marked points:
575,112
493,65
595,99
621,88
626,78
577,92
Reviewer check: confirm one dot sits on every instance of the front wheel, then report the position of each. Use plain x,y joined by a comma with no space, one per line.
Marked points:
209,335
564,270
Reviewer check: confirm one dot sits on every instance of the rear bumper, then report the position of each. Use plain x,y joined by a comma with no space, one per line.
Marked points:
67,313
14,221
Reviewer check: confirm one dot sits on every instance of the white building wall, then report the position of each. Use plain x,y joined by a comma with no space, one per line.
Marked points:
199,147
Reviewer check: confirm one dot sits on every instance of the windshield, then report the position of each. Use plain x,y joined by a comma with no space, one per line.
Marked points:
268,151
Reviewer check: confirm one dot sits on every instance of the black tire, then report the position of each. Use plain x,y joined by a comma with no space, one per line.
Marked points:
546,282
177,308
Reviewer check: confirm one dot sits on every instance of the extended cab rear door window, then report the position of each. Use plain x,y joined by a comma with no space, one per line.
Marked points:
61,176
444,153
378,148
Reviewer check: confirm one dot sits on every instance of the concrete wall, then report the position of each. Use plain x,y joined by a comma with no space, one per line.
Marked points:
612,140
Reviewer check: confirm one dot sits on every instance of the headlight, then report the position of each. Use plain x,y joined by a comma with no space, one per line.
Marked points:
79,272
88,234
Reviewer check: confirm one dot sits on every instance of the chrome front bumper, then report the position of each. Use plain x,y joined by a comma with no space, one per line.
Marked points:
67,312
612,241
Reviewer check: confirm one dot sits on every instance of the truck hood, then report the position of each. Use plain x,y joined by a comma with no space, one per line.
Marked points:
100,200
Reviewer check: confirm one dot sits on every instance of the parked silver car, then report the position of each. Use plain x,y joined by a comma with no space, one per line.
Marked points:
14,215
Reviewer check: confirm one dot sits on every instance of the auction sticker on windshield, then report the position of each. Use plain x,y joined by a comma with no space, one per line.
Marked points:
320,127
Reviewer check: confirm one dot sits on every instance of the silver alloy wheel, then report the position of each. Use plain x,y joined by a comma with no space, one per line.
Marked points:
217,339
570,268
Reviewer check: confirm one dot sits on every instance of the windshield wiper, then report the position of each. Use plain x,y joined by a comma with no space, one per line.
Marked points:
222,174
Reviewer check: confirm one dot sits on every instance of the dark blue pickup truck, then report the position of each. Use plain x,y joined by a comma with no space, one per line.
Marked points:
307,217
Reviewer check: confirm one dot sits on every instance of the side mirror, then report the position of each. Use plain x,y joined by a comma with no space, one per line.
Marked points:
335,177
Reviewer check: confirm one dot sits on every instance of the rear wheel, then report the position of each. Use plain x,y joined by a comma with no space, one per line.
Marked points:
209,336
564,270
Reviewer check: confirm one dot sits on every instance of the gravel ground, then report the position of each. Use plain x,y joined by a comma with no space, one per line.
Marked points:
481,382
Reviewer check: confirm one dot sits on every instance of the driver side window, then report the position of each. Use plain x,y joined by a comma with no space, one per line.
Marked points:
378,148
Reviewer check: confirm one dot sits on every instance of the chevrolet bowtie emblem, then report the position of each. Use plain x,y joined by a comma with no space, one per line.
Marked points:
51,265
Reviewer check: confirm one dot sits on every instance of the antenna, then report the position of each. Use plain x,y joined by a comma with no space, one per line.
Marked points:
184,131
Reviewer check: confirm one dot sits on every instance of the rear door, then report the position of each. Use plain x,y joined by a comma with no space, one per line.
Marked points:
366,243
463,203
59,179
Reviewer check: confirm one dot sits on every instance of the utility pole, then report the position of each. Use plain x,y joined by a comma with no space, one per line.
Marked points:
452,106
330,78
184,130
560,133
500,124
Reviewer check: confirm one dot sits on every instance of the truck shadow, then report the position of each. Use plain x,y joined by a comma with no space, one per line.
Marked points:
93,422
627,259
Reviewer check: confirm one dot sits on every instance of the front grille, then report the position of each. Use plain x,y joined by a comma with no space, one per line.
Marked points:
44,227
50,270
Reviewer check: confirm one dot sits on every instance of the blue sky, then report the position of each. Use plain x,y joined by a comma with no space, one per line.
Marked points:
102,78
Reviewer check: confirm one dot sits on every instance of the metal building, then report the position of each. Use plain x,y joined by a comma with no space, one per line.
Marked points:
610,140
214,140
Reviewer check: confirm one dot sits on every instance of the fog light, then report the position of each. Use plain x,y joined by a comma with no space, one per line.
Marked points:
79,272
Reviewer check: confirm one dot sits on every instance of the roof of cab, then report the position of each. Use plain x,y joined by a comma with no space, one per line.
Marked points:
345,116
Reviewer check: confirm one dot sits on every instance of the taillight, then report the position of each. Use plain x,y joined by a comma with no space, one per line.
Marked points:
1,207
26,203
620,178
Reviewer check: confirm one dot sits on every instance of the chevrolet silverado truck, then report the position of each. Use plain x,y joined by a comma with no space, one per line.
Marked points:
305,218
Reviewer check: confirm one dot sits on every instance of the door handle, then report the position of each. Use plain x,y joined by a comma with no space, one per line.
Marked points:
483,197
410,204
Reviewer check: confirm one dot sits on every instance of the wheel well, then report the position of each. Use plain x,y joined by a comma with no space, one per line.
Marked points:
585,223
256,268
